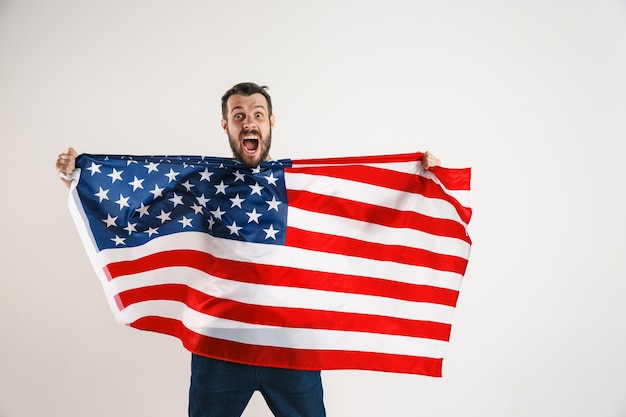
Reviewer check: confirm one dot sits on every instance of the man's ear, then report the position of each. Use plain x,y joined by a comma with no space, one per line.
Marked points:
272,121
225,125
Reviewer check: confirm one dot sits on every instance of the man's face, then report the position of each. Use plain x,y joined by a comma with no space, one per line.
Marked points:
249,128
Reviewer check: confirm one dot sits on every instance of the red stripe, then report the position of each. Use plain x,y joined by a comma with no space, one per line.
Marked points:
285,276
369,213
286,316
369,159
393,180
289,358
323,242
453,178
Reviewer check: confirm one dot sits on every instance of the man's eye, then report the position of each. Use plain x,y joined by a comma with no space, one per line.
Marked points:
238,116
259,115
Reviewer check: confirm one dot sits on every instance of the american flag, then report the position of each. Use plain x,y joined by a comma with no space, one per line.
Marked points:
337,263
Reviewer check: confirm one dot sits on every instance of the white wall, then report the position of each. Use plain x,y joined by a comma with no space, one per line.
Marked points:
530,94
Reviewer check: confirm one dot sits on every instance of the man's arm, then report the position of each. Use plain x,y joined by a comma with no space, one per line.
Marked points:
66,163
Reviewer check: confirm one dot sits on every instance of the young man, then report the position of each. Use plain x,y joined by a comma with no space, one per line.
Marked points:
219,388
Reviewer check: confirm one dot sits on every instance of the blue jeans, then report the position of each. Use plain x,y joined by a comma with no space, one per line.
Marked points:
223,389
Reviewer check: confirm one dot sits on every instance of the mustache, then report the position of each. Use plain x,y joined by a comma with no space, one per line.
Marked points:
250,131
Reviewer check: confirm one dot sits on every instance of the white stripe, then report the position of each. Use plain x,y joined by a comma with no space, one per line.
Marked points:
284,256
284,337
280,296
407,167
370,232
372,194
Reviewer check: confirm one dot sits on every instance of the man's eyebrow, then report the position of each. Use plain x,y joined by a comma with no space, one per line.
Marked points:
258,106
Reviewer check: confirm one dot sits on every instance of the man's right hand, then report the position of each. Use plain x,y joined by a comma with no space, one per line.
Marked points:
65,164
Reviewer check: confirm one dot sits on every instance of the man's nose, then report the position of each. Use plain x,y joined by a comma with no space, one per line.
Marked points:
249,123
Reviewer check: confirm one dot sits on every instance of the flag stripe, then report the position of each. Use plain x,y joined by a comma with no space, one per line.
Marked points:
454,182
277,275
293,338
378,251
385,179
286,316
284,256
375,195
451,178
285,357
387,160
372,214
282,296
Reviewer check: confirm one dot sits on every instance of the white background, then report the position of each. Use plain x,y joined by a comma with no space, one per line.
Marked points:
530,94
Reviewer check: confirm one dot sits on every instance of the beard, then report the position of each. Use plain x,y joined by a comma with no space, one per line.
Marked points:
236,144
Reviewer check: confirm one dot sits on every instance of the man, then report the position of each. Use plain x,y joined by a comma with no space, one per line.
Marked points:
219,388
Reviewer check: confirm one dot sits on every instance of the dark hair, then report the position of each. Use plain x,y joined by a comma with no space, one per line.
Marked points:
245,89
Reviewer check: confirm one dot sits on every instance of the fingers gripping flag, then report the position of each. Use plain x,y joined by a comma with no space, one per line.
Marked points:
341,263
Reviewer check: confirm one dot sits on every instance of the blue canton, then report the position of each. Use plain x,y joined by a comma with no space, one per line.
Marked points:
130,200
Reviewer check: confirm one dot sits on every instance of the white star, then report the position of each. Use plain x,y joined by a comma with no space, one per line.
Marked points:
196,208
94,168
177,199
218,213
110,221
221,188
273,204
143,210
157,192
152,167
271,179
256,188
236,201
136,183
115,175
234,229
131,161
123,201
239,176
171,175
203,200
130,228
188,185
151,231
211,223
164,216
270,233
206,175
102,194
254,216
118,240
185,222
256,170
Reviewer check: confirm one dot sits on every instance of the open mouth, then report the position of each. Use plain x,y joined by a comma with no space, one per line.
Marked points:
250,141
250,144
